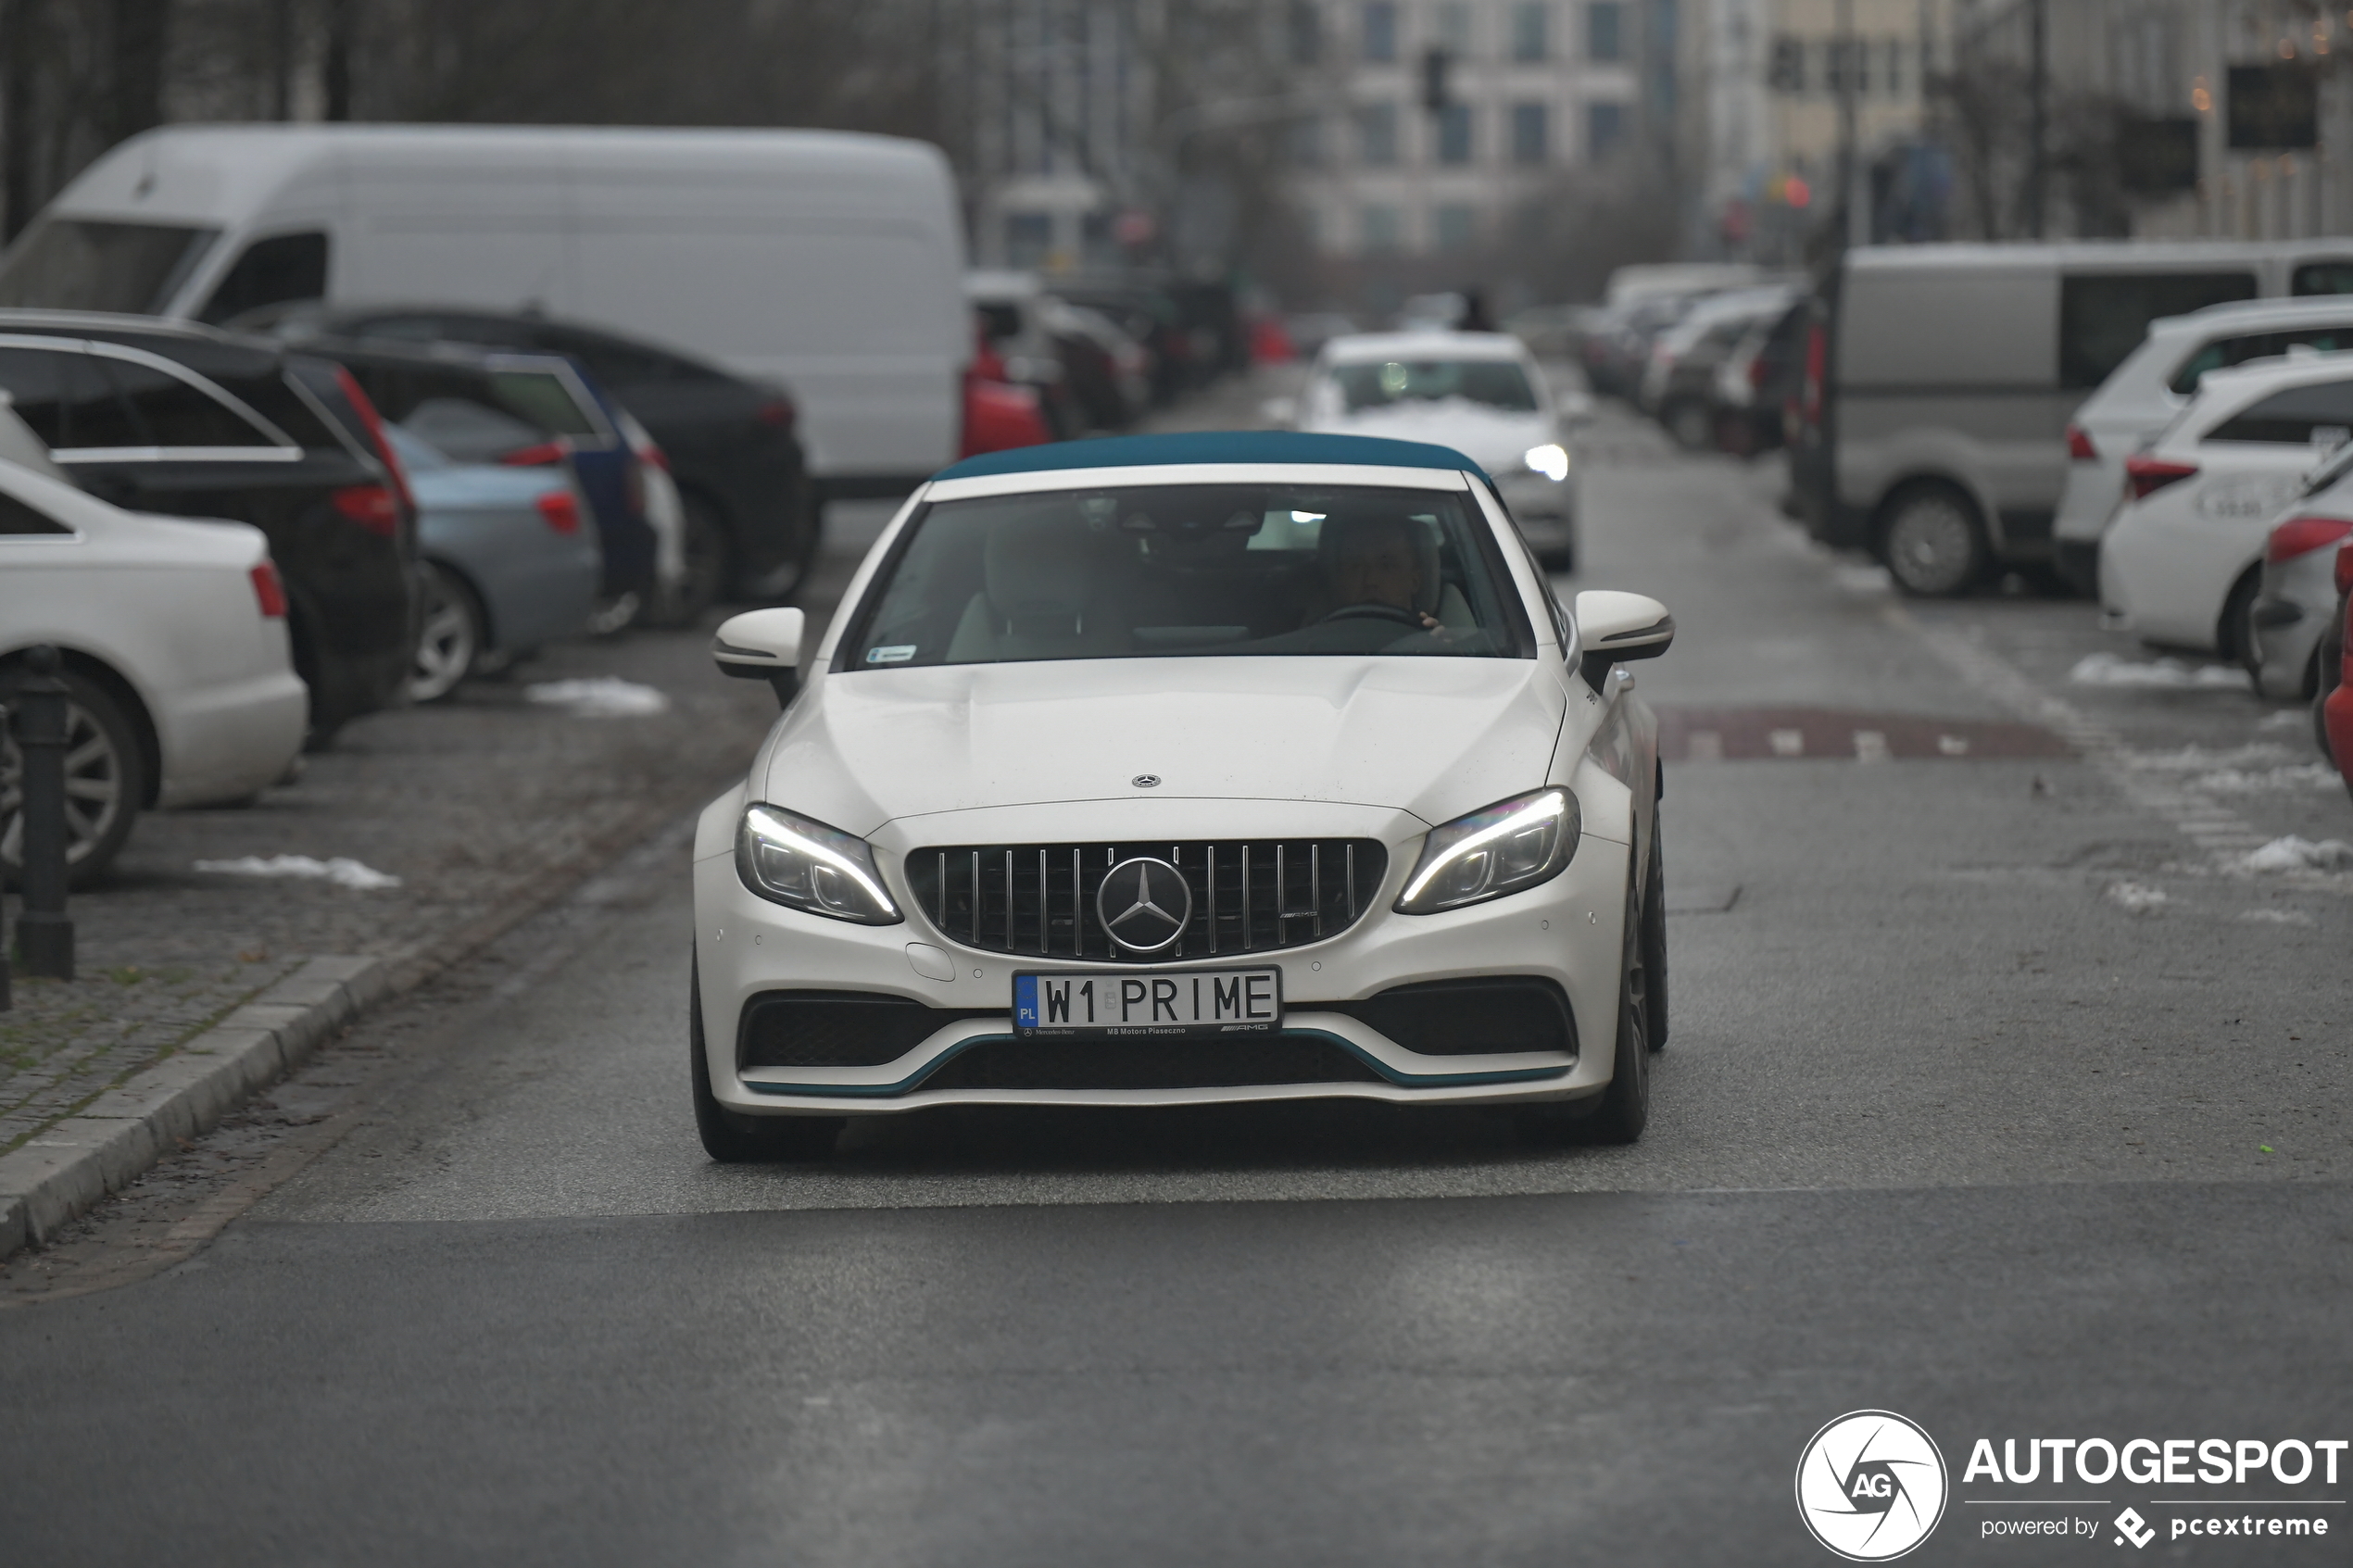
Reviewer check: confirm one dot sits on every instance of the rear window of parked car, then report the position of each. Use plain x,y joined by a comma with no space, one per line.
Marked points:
2227,351
2298,417
1499,383
76,264
2102,317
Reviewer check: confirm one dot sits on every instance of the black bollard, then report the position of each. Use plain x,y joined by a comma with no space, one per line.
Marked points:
45,933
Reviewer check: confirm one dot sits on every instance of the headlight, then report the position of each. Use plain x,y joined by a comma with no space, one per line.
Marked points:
1549,459
808,866
1508,846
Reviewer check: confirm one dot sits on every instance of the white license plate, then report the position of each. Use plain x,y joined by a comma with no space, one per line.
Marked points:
1107,1005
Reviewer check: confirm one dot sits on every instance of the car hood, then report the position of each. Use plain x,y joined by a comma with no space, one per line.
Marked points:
1496,439
1433,737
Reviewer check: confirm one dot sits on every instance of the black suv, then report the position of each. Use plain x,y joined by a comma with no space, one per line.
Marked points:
192,422
751,514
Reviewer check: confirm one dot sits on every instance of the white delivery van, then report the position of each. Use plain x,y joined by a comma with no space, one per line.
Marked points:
1940,378
830,262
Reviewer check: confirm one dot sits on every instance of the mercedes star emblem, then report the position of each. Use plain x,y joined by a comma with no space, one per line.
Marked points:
1146,781
1144,904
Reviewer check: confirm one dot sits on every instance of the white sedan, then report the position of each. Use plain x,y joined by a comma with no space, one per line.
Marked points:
2183,563
1482,394
1168,769
183,690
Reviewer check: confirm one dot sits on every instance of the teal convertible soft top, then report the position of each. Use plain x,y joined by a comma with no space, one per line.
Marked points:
1213,447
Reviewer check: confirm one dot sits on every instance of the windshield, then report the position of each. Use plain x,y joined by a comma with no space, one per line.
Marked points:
78,264
1498,384
1188,569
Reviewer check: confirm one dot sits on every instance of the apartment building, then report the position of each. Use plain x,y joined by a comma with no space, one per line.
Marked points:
1531,88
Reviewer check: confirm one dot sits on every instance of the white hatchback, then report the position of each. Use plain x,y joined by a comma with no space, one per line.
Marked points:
2182,565
183,690
1171,769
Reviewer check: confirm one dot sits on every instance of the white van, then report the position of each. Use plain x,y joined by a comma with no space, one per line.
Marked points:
1940,379
828,261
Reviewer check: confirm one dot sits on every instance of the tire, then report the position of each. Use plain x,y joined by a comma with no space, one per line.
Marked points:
711,567
2329,663
105,783
1688,422
1620,1113
1933,544
451,638
2234,628
735,1139
1655,934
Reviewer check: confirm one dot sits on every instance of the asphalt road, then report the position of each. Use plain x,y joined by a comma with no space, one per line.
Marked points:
1996,1097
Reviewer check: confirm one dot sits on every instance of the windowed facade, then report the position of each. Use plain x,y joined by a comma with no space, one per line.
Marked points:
1382,229
1531,134
1531,32
1452,31
1604,129
1306,32
1376,135
1454,149
1305,140
1453,226
1605,30
1379,41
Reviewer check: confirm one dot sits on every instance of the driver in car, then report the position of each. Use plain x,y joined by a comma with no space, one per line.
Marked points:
1380,566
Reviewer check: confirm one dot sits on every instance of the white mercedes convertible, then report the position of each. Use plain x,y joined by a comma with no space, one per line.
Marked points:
1186,769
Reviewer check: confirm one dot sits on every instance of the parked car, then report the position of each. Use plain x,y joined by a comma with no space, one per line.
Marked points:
1008,314
2142,396
509,562
162,416
181,682
1678,384
2296,599
1480,394
1756,386
751,512
526,410
2183,563
1282,697
1940,379
1109,373
2333,703
825,261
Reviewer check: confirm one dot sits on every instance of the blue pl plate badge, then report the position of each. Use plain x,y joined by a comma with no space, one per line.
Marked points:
1025,1002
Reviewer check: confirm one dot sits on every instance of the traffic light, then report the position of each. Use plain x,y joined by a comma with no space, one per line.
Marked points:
1434,63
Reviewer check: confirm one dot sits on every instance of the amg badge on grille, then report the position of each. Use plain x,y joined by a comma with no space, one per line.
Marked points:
1144,904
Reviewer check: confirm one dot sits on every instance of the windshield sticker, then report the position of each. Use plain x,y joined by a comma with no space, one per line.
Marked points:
897,653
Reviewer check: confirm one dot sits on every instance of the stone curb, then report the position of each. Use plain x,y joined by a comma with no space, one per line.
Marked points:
66,1170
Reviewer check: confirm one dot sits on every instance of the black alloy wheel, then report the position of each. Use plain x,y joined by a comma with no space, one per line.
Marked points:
1654,934
710,566
105,783
732,1138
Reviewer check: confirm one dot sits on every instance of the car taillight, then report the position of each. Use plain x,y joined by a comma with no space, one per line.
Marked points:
2079,447
2344,574
777,413
2144,475
545,454
2302,536
366,408
561,512
269,592
372,506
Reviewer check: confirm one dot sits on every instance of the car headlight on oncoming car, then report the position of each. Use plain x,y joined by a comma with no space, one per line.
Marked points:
1501,848
807,865
1549,459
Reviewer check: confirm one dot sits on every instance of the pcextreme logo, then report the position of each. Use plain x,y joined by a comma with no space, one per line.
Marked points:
1872,1486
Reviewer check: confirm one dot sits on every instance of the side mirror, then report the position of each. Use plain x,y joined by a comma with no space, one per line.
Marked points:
1281,412
762,645
1613,628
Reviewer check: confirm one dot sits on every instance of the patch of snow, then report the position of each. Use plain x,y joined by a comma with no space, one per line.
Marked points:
2294,854
2202,758
602,696
2275,917
342,871
2285,719
2107,670
1864,579
1953,745
2300,775
2135,897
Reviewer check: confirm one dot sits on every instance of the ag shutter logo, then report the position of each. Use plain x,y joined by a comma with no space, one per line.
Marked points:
1872,1486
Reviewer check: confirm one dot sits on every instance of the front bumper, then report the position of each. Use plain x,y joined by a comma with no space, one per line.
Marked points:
1568,930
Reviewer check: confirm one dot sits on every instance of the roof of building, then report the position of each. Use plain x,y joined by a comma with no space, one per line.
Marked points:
1213,447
